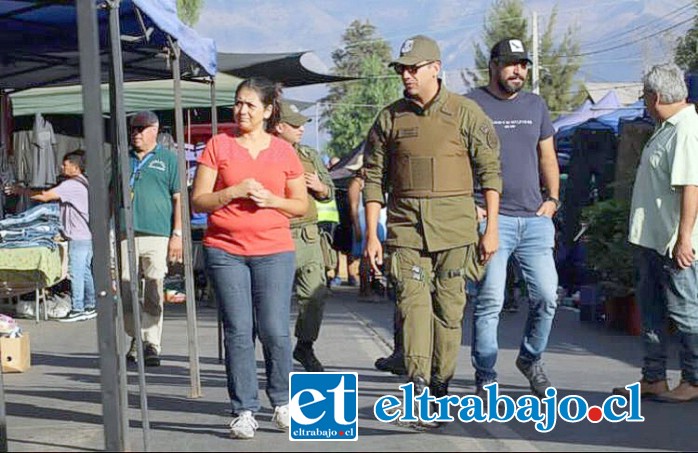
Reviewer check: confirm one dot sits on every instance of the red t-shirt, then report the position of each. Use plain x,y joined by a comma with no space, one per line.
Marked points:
240,227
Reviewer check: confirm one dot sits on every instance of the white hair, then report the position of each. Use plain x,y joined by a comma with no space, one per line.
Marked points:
667,81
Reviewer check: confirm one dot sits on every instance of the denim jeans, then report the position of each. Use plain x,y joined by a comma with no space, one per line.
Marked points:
40,229
44,211
254,297
663,290
80,269
38,242
531,241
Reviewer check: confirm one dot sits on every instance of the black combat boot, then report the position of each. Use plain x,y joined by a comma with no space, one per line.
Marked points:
304,354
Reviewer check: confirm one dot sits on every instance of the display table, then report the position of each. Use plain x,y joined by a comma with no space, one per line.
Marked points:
23,270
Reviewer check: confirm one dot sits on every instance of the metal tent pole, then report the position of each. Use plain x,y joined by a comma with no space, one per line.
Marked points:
118,114
3,415
115,223
88,40
214,108
193,340
214,131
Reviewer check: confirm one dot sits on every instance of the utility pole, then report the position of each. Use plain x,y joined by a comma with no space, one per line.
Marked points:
535,76
317,127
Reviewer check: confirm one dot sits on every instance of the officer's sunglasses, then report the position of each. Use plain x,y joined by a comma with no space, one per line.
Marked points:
412,69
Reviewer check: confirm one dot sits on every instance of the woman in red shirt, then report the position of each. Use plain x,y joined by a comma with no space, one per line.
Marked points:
250,183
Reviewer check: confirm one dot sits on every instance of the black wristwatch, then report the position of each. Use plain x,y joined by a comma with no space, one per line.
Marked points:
558,203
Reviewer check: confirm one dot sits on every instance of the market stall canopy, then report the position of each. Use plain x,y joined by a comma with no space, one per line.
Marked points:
148,95
290,69
607,104
40,43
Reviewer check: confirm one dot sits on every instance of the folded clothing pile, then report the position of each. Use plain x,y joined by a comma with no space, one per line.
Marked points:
36,227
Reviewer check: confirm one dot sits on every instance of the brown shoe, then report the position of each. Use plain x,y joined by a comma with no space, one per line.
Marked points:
647,389
683,393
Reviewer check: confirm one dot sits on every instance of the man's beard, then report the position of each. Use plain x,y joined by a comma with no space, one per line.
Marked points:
509,89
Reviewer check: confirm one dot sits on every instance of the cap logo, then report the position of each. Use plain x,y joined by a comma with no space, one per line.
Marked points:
407,46
516,45
293,108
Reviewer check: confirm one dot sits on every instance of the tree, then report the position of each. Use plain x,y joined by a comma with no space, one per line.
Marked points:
687,48
350,108
558,64
505,19
559,68
189,11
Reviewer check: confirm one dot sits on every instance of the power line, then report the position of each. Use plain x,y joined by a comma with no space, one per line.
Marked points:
583,54
434,27
639,27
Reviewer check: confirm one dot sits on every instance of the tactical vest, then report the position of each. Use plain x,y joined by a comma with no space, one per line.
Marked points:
311,215
429,158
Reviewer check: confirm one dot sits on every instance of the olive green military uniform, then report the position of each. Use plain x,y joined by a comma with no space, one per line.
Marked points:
310,270
425,157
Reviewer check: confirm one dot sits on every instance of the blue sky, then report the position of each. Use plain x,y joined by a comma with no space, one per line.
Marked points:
293,25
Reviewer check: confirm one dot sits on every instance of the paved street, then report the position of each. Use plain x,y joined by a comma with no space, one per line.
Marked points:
56,405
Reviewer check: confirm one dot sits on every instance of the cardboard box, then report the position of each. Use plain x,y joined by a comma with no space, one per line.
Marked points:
15,354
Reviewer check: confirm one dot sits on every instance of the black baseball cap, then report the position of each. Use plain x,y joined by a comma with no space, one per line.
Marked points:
509,50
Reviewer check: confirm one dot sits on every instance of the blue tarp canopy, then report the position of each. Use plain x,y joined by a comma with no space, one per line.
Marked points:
39,43
608,121
588,110
614,118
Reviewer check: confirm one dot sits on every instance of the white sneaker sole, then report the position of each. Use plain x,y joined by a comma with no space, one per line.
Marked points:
239,435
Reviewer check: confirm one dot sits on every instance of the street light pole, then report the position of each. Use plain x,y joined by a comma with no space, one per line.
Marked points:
535,76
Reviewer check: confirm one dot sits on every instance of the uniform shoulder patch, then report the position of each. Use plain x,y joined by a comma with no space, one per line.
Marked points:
490,135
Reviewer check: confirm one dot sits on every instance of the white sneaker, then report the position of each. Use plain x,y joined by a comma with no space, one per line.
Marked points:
281,417
243,426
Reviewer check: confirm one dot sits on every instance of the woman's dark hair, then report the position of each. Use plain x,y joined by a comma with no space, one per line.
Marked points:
77,158
269,93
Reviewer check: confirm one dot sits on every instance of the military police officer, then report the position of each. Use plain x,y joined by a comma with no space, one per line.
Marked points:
310,269
424,149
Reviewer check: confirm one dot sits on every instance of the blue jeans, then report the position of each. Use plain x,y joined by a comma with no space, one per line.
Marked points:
39,229
663,290
531,241
254,297
80,269
44,211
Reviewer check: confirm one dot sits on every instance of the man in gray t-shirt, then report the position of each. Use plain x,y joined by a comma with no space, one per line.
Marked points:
72,194
526,229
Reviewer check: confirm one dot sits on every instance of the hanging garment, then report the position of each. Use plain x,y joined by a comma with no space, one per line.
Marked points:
43,156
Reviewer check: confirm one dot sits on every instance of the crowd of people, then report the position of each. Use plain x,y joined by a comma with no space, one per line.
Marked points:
451,189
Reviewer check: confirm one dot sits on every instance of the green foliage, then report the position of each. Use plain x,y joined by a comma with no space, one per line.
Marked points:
506,19
609,252
189,11
559,69
351,107
687,48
